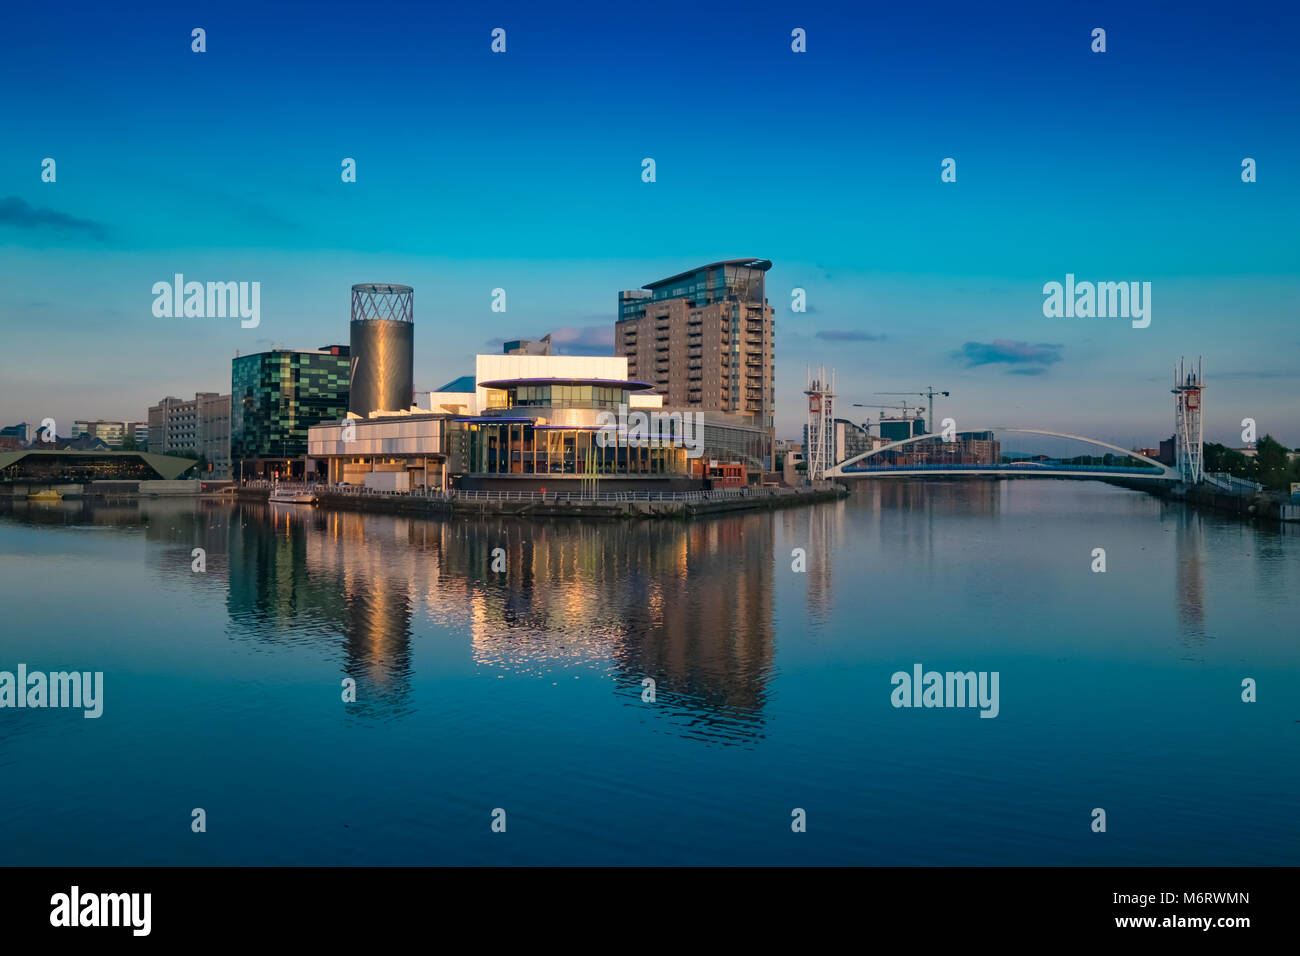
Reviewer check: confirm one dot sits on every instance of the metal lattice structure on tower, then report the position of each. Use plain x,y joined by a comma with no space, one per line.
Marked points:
820,453
1188,436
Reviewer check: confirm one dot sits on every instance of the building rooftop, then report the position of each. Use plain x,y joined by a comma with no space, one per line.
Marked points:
167,466
566,380
465,383
761,264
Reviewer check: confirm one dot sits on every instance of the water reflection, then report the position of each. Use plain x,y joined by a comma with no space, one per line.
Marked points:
1189,588
689,605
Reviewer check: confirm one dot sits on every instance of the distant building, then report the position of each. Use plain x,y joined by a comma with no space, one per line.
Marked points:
1168,451
852,439
900,429
705,339
23,432
113,433
965,448
529,347
82,442
193,428
847,439
275,398
791,460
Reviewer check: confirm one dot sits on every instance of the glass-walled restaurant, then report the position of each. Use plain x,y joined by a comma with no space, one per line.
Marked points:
524,448
552,427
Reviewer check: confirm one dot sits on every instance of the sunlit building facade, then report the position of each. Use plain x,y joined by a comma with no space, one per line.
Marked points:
275,397
552,429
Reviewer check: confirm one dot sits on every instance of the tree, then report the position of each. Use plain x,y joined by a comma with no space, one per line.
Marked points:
1220,459
129,443
1272,463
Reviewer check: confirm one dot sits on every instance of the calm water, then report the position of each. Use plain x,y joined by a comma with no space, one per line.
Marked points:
523,690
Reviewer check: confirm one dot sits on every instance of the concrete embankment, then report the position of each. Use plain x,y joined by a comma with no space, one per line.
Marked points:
112,489
1263,504
1269,505
600,510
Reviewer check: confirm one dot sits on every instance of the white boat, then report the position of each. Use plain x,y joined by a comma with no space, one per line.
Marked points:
292,496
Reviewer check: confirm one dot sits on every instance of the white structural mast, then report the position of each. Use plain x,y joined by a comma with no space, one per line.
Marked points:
820,453
1188,436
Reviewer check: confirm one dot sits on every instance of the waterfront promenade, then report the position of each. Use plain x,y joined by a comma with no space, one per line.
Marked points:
606,505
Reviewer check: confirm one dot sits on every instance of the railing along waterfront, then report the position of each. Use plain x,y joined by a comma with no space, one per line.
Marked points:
1016,468
432,494
1226,482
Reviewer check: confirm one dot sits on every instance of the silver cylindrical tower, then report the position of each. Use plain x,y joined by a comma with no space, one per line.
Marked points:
382,348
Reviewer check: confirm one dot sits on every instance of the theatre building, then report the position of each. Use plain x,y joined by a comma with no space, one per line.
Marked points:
543,433
391,452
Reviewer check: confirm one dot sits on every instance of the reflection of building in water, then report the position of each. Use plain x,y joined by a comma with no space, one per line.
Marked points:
825,521
701,624
296,575
687,605
1189,585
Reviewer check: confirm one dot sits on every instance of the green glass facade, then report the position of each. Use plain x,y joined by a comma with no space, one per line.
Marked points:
276,396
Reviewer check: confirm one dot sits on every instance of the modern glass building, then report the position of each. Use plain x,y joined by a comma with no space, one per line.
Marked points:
547,430
274,398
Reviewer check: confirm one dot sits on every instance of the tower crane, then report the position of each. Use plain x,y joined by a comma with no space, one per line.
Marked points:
929,393
893,408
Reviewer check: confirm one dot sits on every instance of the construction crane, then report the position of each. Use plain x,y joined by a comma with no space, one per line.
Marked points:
928,393
893,408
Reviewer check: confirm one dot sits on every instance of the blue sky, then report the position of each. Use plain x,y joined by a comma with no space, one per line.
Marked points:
522,171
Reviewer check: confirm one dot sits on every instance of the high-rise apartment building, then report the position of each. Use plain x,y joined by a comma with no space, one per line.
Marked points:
275,397
705,339
197,428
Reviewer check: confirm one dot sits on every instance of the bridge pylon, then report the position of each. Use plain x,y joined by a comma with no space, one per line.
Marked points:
820,453
1189,444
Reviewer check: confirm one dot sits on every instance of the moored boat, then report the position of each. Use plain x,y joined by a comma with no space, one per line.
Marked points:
292,496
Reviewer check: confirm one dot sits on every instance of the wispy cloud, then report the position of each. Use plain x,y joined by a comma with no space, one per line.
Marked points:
21,214
588,340
842,335
1005,352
